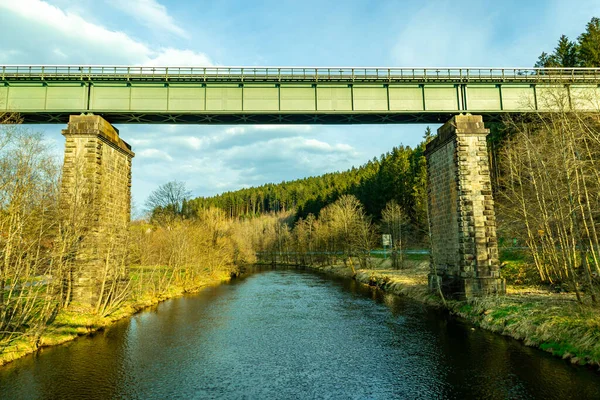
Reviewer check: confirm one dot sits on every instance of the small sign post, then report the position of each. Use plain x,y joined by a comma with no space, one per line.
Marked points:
387,241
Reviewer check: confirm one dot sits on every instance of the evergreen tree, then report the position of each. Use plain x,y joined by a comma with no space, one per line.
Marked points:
545,60
583,53
589,44
566,53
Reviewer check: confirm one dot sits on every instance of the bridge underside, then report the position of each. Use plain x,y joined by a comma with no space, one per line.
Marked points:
258,118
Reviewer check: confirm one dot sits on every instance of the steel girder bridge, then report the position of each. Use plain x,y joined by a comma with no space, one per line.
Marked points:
290,95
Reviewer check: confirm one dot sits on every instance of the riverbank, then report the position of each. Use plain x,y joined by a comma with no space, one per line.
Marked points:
74,321
553,322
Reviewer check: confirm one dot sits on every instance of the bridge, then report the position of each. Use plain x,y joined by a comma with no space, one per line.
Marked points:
288,95
96,181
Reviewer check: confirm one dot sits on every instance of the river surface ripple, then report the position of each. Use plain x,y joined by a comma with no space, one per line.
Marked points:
291,334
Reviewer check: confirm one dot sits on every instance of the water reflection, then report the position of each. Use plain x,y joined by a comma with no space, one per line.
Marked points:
293,334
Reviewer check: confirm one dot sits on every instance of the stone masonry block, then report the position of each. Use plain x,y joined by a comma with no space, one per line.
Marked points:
461,209
93,155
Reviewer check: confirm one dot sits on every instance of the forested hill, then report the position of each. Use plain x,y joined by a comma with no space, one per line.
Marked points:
399,174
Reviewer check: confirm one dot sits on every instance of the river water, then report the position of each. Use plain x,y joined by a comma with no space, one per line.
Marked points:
291,334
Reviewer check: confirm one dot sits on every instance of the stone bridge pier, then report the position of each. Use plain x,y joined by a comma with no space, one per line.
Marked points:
96,208
464,248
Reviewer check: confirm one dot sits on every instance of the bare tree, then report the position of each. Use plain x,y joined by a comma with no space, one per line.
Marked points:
549,194
346,219
28,226
364,239
168,199
394,220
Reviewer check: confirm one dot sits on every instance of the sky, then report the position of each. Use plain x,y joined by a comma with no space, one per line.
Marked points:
214,159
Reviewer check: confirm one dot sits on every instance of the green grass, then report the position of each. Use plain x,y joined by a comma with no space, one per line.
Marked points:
406,257
416,257
504,312
466,309
560,349
510,254
517,267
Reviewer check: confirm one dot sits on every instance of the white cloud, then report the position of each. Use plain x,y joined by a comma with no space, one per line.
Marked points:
59,53
314,153
319,146
168,57
154,154
190,142
7,55
139,142
71,25
44,24
241,130
149,13
235,130
194,142
212,159
274,127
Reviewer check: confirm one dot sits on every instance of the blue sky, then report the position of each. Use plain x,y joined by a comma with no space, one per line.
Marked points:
212,159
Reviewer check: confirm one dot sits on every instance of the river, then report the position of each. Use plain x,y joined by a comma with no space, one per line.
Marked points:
293,334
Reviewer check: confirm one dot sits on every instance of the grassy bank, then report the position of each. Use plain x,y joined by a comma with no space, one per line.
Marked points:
77,321
553,322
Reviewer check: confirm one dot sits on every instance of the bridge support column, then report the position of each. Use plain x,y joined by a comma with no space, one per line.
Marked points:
96,206
464,246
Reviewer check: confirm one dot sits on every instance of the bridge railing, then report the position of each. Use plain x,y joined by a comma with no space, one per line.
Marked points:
311,74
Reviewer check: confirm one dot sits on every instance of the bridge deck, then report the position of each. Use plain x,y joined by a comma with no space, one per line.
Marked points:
289,95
